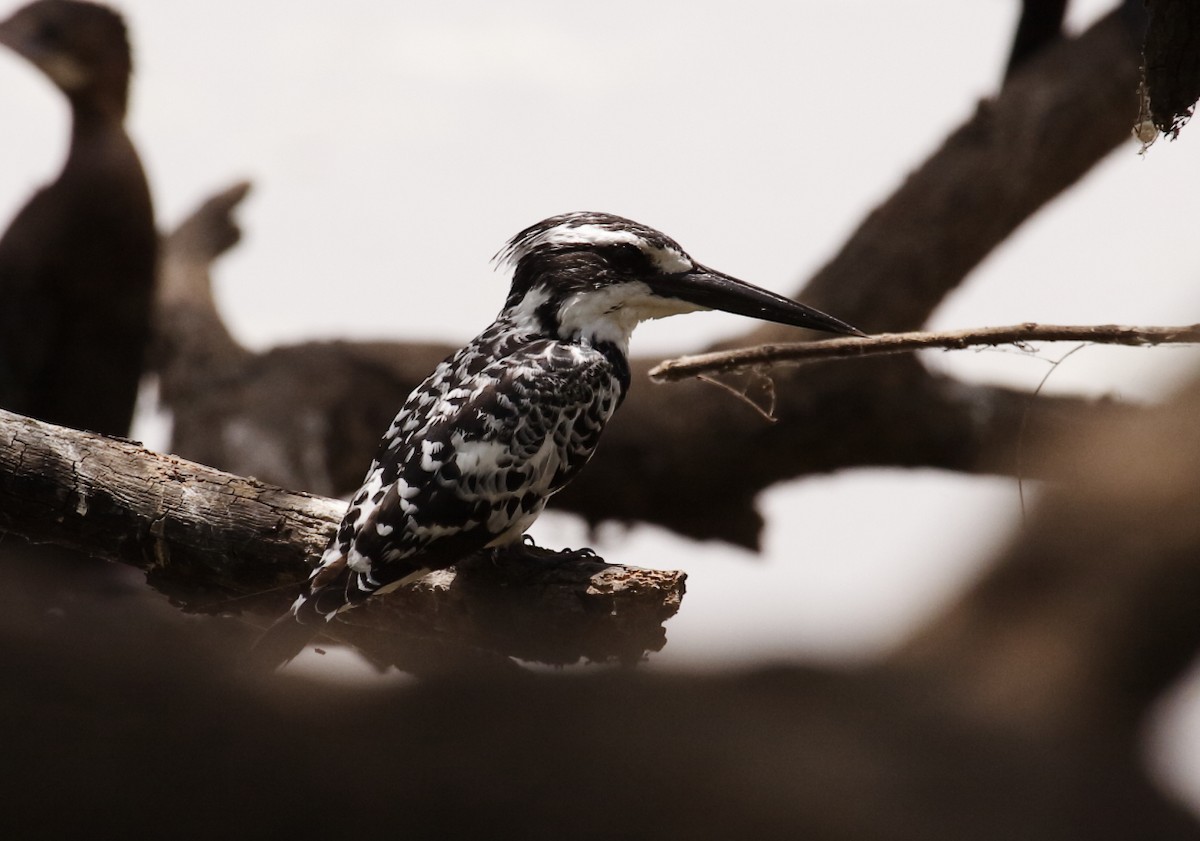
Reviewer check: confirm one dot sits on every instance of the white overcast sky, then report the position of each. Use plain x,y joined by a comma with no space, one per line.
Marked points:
395,146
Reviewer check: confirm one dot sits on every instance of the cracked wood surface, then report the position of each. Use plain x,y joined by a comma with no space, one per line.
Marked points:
215,542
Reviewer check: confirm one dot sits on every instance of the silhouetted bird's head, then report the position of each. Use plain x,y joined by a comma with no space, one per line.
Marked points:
82,47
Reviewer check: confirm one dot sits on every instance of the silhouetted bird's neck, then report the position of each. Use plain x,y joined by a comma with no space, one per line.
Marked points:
101,148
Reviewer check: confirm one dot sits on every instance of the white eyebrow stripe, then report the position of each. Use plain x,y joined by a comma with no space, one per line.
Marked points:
670,261
584,235
665,258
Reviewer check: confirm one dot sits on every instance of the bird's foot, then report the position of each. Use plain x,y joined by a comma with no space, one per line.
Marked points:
581,554
526,549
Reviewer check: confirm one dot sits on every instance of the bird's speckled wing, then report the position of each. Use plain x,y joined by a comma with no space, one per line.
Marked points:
473,456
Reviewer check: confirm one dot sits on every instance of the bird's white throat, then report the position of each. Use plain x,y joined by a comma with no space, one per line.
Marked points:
600,315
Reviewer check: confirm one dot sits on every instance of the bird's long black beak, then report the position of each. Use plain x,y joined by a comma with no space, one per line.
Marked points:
9,34
714,290
17,32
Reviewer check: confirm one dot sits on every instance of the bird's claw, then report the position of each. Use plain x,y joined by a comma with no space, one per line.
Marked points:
527,548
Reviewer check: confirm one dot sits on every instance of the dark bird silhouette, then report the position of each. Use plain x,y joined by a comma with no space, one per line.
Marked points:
479,448
77,265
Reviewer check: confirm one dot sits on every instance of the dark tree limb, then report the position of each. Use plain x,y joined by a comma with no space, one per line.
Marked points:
882,344
301,416
1172,63
192,347
701,456
309,416
1040,25
1090,614
1071,105
216,542
1024,701
865,413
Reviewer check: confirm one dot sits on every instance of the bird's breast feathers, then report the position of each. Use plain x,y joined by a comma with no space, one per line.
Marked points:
477,450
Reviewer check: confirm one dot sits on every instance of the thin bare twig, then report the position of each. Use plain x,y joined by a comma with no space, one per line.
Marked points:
885,343
1020,471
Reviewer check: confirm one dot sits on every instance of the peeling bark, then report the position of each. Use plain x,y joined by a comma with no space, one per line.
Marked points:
220,543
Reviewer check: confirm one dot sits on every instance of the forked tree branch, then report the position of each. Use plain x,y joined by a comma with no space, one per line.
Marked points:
887,343
309,416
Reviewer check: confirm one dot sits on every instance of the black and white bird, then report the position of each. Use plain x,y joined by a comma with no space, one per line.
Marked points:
480,446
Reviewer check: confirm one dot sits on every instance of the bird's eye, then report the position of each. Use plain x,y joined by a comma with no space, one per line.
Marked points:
628,257
49,32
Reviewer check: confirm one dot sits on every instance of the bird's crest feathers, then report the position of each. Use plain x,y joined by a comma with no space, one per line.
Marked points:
586,228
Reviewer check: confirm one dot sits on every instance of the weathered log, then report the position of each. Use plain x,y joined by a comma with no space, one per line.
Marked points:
216,542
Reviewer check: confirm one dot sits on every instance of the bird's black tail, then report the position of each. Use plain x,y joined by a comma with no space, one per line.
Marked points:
333,588
286,637
282,641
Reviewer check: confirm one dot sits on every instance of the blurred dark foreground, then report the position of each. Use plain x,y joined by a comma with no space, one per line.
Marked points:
123,714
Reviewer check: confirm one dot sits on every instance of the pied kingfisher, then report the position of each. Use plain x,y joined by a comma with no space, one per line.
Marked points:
481,445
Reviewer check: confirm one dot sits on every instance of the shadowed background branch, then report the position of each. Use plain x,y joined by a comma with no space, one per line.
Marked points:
300,415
